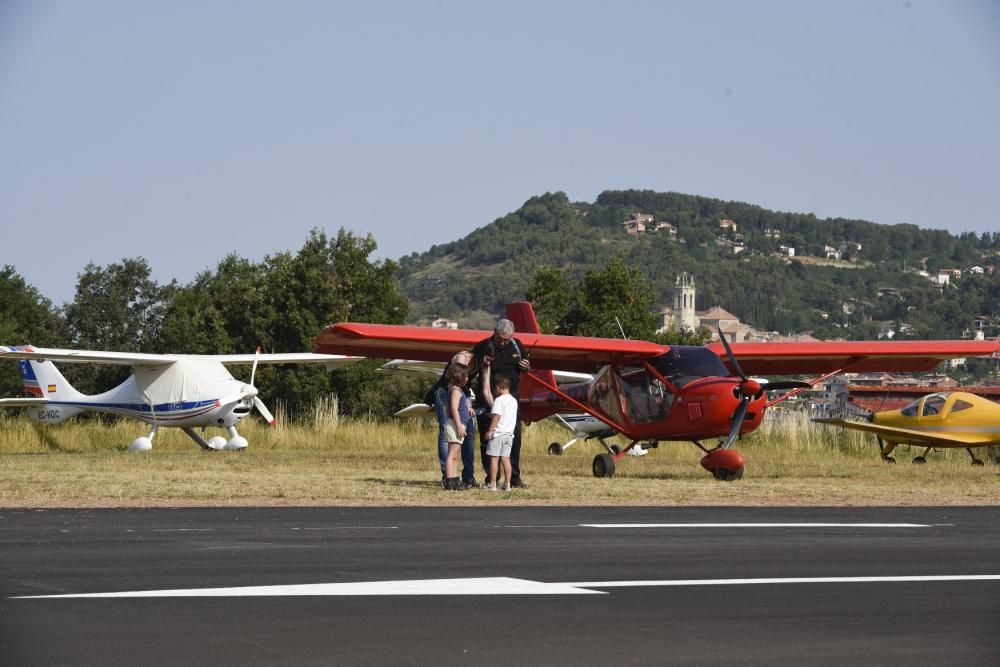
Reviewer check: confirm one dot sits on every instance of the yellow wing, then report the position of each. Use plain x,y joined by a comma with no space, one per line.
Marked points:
942,438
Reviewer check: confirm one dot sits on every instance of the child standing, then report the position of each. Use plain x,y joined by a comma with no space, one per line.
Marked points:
500,435
458,416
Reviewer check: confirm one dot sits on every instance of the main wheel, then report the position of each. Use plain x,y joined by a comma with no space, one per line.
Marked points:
727,475
888,459
555,449
977,462
604,465
919,460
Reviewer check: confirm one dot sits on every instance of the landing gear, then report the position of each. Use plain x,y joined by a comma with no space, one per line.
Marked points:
726,465
919,460
603,466
555,449
727,475
975,461
236,441
143,443
885,449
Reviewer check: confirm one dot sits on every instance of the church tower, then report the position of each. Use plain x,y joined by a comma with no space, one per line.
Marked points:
684,317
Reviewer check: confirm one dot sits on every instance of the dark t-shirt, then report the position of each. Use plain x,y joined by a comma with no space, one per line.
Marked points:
505,362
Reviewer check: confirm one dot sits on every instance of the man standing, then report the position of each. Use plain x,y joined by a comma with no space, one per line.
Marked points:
505,355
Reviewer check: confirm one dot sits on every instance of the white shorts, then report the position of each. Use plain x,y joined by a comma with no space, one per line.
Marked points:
499,445
451,432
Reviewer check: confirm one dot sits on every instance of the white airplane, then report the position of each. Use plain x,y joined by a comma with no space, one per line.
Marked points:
582,426
181,390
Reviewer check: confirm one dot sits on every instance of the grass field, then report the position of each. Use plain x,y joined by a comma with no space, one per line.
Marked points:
332,461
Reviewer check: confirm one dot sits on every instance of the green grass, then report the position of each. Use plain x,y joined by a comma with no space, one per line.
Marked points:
338,461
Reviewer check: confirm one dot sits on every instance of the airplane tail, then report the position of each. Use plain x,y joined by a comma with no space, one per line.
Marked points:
43,379
534,395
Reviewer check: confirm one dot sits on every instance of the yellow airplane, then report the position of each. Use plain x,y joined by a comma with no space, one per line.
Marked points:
944,419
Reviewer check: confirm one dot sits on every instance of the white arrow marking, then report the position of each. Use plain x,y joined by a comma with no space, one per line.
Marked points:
481,586
495,586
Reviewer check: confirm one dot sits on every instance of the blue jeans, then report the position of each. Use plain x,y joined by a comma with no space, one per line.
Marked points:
468,450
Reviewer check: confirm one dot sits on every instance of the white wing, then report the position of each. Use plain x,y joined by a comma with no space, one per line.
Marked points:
21,402
332,361
435,369
84,356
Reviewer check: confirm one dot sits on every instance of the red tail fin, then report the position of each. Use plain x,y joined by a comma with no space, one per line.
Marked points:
522,315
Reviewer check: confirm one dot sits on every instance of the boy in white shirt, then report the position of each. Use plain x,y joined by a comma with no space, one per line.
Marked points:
500,435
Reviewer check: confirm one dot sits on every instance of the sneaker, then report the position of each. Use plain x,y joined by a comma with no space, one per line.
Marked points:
519,484
489,487
470,484
505,487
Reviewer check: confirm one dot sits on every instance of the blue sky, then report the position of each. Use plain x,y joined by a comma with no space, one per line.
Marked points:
182,131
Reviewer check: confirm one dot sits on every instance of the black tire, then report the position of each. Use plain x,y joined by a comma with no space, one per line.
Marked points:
724,475
888,459
919,460
555,449
603,466
977,462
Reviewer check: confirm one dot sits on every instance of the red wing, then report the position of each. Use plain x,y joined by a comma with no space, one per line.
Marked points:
855,356
566,353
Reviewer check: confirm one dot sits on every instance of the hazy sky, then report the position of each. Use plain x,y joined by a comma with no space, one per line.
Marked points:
181,131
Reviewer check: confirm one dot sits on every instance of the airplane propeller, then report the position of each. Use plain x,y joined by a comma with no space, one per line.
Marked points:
257,403
749,389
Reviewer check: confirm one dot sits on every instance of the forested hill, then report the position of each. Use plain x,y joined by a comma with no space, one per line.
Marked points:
847,278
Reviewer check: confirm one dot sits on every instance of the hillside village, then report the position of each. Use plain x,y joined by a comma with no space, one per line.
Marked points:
846,255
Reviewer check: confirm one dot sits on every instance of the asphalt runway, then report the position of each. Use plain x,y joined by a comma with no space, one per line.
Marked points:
501,586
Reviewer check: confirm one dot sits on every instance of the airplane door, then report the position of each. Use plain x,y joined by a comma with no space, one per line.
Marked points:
644,397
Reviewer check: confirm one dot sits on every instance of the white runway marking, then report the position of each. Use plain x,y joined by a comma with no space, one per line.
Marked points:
479,586
496,586
757,525
350,528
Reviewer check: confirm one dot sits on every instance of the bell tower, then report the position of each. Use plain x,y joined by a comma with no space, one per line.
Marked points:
684,291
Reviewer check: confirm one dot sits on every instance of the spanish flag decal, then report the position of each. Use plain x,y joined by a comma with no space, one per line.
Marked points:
52,389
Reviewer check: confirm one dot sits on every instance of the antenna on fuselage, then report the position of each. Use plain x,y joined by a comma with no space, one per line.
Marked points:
620,328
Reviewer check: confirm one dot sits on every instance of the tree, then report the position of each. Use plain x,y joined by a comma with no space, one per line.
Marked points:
25,317
597,304
550,294
116,308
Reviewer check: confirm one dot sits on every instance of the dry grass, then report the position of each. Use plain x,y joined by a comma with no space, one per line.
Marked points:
336,461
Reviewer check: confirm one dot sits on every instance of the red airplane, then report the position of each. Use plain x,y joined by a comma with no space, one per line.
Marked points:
651,392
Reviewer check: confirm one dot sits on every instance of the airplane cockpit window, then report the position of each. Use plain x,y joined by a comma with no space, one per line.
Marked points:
644,397
960,405
912,409
683,364
933,405
604,394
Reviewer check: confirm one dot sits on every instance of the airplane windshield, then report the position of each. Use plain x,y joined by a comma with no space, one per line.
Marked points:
683,364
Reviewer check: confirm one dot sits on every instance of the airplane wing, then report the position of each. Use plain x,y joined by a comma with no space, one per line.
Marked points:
84,356
926,438
569,353
332,361
853,356
22,402
434,368
416,410
582,354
